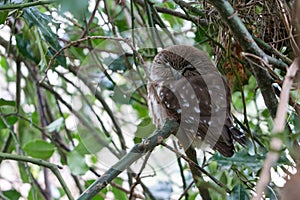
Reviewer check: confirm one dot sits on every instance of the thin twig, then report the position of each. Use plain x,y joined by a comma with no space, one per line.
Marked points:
91,19
76,42
25,5
182,174
98,95
81,119
136,153
138,177
197,166
185,192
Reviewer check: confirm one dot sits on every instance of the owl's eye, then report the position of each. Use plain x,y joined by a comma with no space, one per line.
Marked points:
187,69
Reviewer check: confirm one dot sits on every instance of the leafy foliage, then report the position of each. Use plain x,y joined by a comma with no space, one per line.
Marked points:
39,149
73,93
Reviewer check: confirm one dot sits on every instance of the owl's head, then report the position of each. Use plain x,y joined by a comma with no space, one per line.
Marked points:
177,61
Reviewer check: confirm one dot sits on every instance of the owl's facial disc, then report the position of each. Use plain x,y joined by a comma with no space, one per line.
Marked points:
170,66
176,74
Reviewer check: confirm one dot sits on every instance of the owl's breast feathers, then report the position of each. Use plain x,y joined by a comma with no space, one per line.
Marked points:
200,100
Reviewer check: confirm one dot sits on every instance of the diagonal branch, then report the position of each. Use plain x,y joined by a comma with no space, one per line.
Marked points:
136,153
246,41
9,7
54,168
279,125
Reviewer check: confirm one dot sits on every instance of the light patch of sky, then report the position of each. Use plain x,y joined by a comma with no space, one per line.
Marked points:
5,32
53,78
24,70
278,176
71,122
28,108
77,102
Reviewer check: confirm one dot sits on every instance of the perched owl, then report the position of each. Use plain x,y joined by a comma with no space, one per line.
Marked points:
184,85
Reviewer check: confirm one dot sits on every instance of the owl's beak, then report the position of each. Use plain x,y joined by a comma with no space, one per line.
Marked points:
177,74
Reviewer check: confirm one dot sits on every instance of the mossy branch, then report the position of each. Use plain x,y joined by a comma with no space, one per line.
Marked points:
246,41
135,153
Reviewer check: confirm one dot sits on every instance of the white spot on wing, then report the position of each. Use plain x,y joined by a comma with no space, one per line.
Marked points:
197,110
186,104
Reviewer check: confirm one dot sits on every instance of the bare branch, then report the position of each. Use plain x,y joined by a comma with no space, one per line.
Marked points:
279,125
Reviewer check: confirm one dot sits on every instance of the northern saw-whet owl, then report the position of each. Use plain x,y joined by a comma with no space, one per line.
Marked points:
184,85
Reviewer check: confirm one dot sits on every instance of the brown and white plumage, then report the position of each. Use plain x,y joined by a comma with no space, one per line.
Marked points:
185,85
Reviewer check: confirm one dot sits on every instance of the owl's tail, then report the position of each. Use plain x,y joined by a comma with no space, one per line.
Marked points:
225,144
238,136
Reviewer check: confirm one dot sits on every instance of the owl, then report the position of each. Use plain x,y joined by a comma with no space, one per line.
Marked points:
184,85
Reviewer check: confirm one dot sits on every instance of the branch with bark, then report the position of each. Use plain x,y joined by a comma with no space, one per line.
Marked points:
279,125
246,41
138,151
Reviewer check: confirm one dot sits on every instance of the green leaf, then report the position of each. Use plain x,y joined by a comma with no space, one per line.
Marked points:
39,149
23,172
4,134
241,158
11,194
36,18
271,193
78,8
3,63
237,100
81,148
25,48
2,124
34,193
28,133
76,162
4,102
258,9
145,128
119,194
120,21
3,16
239,192
55,125
11,120
121,95
224,178
142,110
118,64
213,166
93,142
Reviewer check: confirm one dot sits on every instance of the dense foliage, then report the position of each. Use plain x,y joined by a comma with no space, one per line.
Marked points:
73,96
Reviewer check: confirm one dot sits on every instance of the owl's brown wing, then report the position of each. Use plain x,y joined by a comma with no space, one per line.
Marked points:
189,100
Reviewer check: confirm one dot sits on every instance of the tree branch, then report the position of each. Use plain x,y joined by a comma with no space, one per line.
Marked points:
136,153
25,5
54,168
279,125
242,35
